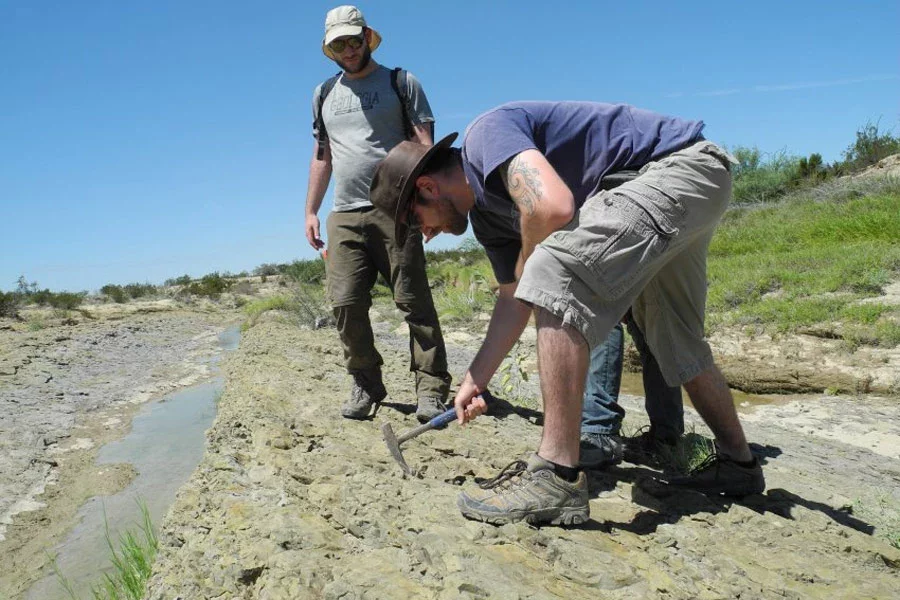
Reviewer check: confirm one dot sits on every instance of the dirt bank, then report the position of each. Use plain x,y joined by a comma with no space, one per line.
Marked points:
292,501
68,385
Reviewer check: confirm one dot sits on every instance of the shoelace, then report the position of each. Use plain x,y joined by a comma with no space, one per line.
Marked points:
513,469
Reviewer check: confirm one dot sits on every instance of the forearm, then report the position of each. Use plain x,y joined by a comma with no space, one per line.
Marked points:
319,176
507,323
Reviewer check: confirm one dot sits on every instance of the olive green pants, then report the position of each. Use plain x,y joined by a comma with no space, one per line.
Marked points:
360,246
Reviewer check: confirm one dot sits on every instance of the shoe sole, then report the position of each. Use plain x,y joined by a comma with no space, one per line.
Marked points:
550,516
366,416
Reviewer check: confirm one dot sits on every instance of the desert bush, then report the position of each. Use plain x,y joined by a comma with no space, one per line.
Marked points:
211,285
39,297
304,305
183,280
757,181
870,146
66,300
267,269
9,304
306,271
115,293
138,290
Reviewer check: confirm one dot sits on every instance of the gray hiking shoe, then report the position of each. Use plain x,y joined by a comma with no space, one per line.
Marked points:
363,395
719,474
529,492
429,408
600,450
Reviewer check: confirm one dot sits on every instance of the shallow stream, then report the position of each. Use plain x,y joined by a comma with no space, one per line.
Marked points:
164,445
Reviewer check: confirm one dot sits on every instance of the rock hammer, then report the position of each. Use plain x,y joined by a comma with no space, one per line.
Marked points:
393,442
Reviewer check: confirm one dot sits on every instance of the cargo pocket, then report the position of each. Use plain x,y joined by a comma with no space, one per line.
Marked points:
631,239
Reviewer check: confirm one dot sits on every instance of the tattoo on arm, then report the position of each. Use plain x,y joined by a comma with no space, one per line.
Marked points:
523,183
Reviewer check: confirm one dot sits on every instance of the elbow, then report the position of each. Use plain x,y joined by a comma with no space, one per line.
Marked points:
564,212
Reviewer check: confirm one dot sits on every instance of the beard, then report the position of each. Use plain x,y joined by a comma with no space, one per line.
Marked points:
456,223
363,62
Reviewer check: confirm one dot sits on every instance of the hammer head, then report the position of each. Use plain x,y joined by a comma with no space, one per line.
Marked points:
394,447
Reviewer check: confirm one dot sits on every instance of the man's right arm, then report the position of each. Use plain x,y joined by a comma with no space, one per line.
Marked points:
319,176
508,321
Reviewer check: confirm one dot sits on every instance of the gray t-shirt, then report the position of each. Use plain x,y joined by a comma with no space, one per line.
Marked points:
364,121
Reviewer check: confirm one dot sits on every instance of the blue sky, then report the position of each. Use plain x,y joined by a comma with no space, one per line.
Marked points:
144,140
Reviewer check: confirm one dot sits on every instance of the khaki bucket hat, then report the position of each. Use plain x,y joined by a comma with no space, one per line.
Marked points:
342,21
394,181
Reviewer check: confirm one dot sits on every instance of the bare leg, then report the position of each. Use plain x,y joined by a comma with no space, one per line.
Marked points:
711,397
562,363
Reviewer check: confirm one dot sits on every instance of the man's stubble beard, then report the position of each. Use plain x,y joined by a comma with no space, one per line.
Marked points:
458,222
366,58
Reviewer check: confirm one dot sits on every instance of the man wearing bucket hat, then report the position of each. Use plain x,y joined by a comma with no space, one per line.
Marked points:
358,116
529,176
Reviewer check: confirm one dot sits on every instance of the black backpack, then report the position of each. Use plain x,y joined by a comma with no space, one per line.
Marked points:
398,83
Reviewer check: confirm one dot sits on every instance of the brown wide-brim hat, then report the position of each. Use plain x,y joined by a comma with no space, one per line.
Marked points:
394,182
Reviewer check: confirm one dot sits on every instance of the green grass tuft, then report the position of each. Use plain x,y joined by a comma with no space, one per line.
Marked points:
131,560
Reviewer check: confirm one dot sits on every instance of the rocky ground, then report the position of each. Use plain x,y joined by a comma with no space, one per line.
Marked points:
69,384
292,501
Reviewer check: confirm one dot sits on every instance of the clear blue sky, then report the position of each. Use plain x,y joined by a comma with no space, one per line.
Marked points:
144,140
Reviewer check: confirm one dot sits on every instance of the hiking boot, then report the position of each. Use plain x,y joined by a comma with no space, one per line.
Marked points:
529,492
720,474
649,447
600,450
429,408
363,395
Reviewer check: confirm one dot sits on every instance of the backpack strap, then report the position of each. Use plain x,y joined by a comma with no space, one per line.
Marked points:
319,124
398,82
400,89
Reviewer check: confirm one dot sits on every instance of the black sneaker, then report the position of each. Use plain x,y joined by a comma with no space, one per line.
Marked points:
721,475
600,450
649,448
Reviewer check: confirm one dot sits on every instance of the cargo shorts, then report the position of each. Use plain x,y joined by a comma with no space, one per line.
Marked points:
641,245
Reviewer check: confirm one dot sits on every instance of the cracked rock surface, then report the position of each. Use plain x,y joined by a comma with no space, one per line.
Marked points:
292,501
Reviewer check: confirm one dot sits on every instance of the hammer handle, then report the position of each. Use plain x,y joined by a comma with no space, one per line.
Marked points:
438,421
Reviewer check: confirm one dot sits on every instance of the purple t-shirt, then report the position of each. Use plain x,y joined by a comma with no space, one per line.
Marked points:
582,141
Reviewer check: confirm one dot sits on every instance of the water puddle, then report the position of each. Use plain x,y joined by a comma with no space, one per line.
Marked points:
165,444
633,384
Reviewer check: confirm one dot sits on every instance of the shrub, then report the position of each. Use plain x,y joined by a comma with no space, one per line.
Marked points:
756,181
183,280
211,285
266,269
40,297
9,304
306,271
869,147
138,290
66,300
114,293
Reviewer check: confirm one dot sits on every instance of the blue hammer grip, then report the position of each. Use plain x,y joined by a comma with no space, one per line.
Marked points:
443,419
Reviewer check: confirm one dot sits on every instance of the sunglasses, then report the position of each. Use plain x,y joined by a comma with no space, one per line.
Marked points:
355,42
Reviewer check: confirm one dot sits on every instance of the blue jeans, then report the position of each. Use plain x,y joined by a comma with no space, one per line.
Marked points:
601,413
